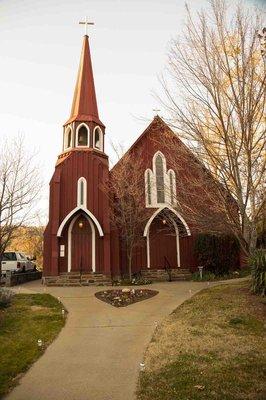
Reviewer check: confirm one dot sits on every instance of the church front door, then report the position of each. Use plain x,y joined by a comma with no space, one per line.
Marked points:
81,243
163,244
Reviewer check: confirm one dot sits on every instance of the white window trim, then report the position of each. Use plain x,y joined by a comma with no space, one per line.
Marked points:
146,229
158,153
82,179
101,138
148,171
67,129
77,132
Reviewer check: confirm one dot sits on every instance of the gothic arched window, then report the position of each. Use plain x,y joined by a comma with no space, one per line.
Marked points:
82,136
160,179
82,192
160,183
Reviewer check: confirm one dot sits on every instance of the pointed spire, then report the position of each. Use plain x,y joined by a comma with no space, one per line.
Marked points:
84,105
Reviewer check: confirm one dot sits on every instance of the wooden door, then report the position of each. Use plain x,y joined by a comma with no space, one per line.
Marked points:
81,246
163,251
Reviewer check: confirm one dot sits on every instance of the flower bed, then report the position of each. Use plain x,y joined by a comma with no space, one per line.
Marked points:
125,297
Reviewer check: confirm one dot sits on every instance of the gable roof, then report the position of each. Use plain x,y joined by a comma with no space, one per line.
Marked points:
157,122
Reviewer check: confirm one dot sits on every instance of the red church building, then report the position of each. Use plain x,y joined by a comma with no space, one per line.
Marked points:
79,238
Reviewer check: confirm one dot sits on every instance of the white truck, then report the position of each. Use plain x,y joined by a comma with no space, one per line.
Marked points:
15,261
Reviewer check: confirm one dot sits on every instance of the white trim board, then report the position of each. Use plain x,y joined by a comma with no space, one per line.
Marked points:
87,212
158,212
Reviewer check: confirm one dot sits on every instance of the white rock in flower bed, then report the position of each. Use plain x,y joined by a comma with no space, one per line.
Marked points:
126,290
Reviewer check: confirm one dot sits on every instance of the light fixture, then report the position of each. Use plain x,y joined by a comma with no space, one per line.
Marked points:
142,366
80,224
164,221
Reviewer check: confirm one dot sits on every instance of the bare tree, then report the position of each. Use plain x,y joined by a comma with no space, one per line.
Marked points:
19,189
29,240
216,101
127,209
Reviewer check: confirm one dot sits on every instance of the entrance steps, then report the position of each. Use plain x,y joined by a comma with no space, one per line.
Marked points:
163,275
98,279
76,279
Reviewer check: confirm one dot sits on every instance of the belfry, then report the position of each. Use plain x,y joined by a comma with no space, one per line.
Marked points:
77,237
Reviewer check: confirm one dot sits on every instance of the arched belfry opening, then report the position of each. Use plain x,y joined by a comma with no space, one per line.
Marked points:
68,139
163,232
98,138
82,136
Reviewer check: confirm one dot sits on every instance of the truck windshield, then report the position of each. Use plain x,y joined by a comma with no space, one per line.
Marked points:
10,256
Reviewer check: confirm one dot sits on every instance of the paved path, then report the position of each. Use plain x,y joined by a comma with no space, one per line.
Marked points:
97,354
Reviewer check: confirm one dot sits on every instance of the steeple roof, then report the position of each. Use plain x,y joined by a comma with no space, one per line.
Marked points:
84,105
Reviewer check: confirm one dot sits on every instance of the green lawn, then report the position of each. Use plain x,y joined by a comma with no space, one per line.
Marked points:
209,348
29,318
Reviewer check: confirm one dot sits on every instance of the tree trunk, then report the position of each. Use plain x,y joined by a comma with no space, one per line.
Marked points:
129,257
253,240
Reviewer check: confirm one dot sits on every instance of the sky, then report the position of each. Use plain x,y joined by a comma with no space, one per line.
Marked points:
40,42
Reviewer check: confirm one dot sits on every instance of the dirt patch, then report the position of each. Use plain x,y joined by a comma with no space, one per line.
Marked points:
125,297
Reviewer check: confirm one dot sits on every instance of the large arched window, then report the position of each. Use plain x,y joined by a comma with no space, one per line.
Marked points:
98,139
160,183
160,179
82,192
82,136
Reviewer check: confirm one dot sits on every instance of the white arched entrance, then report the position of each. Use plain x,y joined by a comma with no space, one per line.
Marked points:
147,232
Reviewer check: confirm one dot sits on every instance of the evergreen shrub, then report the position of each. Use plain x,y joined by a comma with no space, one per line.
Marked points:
217,254
257,262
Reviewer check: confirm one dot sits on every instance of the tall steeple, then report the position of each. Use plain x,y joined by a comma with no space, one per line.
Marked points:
84,105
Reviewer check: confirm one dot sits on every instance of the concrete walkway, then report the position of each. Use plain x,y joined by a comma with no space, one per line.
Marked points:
97,354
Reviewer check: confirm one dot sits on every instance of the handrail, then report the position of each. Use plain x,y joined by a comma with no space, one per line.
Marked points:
167,264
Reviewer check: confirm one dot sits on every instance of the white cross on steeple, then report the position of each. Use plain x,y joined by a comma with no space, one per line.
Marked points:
86,23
